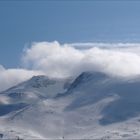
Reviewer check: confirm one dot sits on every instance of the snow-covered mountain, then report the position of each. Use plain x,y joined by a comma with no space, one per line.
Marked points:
93,105
38,87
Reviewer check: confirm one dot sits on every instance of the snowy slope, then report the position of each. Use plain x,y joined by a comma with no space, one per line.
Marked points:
94,105
38,87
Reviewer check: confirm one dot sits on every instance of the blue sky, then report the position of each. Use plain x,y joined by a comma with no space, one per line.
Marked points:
23,22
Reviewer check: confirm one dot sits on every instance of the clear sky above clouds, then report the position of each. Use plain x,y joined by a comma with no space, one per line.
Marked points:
23,22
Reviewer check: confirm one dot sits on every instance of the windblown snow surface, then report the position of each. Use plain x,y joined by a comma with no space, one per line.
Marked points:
91,106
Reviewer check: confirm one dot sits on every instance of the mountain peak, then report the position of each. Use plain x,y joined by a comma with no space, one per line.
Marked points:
38,77
39,81
92,74
88,76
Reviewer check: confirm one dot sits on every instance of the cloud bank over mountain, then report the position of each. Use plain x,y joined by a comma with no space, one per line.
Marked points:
62,60
58,60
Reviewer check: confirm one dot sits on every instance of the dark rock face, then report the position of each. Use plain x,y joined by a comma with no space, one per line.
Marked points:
5,109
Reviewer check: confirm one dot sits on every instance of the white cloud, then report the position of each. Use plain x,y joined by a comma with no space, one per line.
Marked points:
52,58
58,60
62,60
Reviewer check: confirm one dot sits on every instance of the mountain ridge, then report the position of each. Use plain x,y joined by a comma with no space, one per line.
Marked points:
91,102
